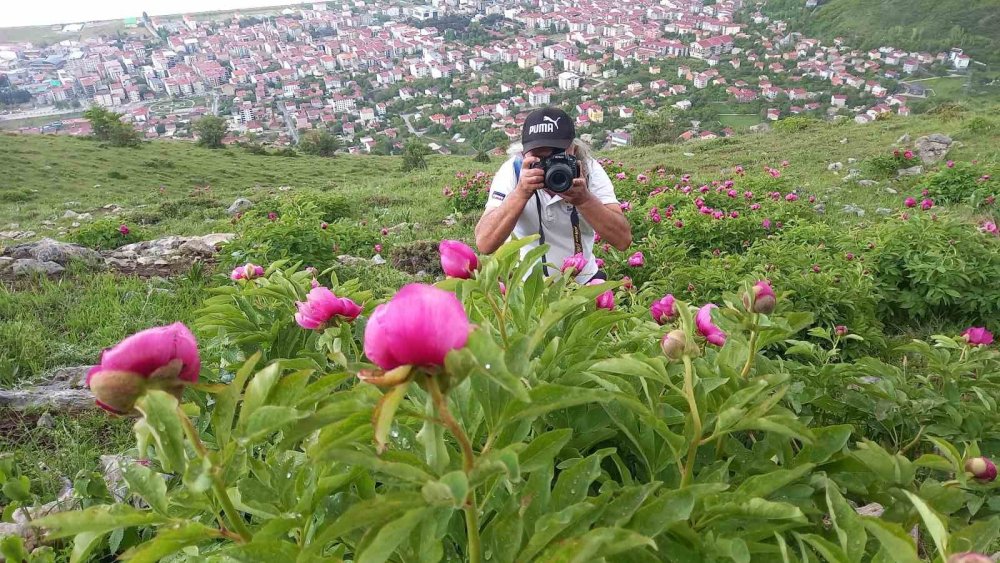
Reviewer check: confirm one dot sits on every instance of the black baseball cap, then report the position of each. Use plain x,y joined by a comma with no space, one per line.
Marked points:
547,127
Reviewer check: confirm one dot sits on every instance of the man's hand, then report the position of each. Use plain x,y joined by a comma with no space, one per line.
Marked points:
531,179
578,195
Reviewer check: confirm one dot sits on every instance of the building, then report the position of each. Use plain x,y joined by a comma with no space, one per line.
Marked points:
568,81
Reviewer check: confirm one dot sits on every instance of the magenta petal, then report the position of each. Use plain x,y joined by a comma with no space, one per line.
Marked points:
146,351
418,326
377,346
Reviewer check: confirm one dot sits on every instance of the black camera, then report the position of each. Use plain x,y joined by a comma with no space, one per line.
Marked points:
560,170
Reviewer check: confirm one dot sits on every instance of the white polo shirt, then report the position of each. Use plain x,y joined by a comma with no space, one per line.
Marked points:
555,216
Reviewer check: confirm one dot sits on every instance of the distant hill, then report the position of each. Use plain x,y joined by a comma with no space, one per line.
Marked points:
924,25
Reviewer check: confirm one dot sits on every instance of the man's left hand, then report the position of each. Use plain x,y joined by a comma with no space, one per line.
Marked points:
578,194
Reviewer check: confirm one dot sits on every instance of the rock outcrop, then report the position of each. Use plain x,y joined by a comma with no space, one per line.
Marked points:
932,148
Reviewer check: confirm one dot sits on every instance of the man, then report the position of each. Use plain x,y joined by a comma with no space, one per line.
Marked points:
520,204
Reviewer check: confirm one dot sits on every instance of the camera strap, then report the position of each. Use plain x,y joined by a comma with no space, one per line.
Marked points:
574,218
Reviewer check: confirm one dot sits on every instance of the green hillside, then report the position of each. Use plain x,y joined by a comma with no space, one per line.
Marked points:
923,25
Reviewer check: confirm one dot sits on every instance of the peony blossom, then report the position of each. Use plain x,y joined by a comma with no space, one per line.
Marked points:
950,164
910,202
679,224
384,231
164,358
908,155
841,330
321,306
246,272
418,326
627,283
458,260
703,321
674,344
378,248
605,300
575,263
792,197
620,176
272,216
625,206
123,229
982,468
739,170
766,223
503,288
664,309
764,299
978,336
641,178
926,204
970,557
636,260
989,227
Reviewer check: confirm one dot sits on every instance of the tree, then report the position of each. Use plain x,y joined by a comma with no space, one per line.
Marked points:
414,156
211,130
102,121
124,135
319,143
161,129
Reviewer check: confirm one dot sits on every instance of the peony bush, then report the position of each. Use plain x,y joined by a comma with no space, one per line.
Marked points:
501,415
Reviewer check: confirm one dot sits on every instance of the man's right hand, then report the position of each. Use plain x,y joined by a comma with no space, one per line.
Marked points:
531,179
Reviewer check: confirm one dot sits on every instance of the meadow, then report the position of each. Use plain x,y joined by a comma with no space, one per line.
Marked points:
839,253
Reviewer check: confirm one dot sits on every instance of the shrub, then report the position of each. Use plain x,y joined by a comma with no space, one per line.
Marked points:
417,256
105,234
470,195
963,183
886,165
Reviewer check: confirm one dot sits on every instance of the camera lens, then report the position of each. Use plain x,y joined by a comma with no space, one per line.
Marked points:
559,177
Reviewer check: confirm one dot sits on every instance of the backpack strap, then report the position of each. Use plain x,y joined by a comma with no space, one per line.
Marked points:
517,168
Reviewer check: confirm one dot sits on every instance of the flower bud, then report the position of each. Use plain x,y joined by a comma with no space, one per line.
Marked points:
982,468
841,330
117,391
764,299
673,344
969,557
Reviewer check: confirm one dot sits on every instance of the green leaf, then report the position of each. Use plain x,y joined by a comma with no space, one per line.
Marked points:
828,441
547,397
550,525
669,507
391,535
160,411
84,545
766,484
934,524
541,451
574,483
504,535
257,392
169,540
830,552
893,539
198,475
225,402
268,420
757,508
978,536
18,489
96,519
365,514
149,485
846,522
595,545
450,490
400,470
385,411
12,548
626,503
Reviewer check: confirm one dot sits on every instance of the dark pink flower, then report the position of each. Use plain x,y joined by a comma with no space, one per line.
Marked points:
950,164
272,216
791,197
989,227
625,206
766,223
246,272
322,306
707,328
575,263
378,248
324,225
978,336
418,326
926,204
764,298
503,288
970,557
910,202
982,468
599,262
636,260
458,260
908,155
841,330
679,224
605,300
620,176
663,309
123,229
385,231
627,283
163,358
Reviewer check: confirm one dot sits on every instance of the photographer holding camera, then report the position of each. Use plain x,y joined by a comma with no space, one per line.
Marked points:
554,189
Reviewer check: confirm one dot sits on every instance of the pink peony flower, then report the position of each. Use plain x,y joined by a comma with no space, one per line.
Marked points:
679,224
734,214
605,300
764,298
599,262
620,176
664,309
926,204
378,248
732,193
458,260
447,192
791,197
597,237
707,328
812,199
766,223
503,288
849,256
272,216
321,306
840,330
784,164
978,336
754,206
774,172
636,260
982,468
627,283
625,206
969,557
950,164
385,231
910,202
164,358
123,229
575,263
908,155
989,227
642,178
324,225
246,272
739,170
418,326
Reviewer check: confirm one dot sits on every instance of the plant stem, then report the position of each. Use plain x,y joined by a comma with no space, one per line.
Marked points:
471,508
695,422
751,351
235,520
501,319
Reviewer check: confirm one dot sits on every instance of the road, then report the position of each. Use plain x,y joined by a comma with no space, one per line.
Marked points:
40,112
406,119
291,124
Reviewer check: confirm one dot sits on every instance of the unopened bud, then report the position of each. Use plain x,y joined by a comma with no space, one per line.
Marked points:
841,330
673,344
969,557
117,391
764,299
982,468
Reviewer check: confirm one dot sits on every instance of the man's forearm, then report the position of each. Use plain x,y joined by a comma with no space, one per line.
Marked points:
611,224
495,227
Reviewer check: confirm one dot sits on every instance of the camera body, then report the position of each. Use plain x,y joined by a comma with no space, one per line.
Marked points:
560,170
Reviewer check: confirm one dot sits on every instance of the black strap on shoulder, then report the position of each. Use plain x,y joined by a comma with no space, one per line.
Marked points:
541,233
574,218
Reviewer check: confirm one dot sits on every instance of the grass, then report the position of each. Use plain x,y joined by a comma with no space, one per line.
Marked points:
14,124
44,34
740,121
